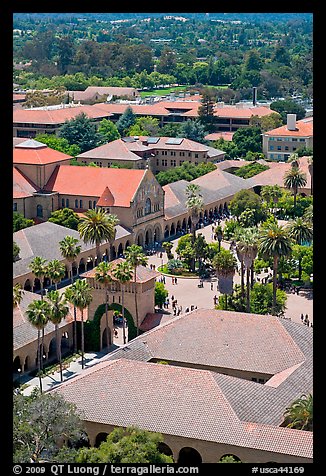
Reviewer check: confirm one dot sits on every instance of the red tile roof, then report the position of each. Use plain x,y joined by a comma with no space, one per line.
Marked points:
56,116
106,199
304,128
275,175
92,181
22,186
220,135
38,156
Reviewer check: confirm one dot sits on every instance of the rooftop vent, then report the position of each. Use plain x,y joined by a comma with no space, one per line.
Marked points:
291,120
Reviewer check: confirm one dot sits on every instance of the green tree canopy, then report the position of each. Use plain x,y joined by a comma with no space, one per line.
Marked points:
130,445
59,143
19,222
247,200
65,217
108,131
80,131
284,107
126,120
161,293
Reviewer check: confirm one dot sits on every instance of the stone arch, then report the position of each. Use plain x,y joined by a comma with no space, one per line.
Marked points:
205,213
113,252
27,285
148,236
148,206
189,223
184,224
120,250
127,245
157,234
17,364
231,455
166,231
188,455
52,349
90,262
27,364
165,449
37,285
82,266
172,230
100,437
74,268
178,227
220,208
140,239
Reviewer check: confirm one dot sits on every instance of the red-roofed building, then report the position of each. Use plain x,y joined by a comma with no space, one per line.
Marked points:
280,143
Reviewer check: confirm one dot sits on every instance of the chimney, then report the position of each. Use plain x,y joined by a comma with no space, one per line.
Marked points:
254,96
291,120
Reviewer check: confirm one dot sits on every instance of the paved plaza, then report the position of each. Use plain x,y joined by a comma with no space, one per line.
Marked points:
187,293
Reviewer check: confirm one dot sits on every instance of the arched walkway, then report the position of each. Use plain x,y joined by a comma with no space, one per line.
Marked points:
27,285
120,250
172,230
113,252
166,232
100,437
140,239
17,364
165,449
52,349
26,364
148,237
82,267
189,455
105,341
127,245
236,458
157,234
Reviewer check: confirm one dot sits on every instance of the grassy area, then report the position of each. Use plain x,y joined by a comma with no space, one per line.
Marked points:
186,274
163,92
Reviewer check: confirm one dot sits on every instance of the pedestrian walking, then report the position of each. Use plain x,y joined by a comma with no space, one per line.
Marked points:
302,317
172,280
212,287
175,281
179,310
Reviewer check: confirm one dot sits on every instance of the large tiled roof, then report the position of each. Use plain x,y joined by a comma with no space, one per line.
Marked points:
214,186
92,181
22,186
90,91
220,135
143,273
32,152
275,174
23,331
56,116
43,240
182,401
242,112
304,128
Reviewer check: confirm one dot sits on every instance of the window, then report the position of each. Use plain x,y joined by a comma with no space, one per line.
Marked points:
279,147
294,140
302,140
189,154
63,202
80,204
272,156
254,379
15,206
173,163
148,206
181,162
294,148
67,202
94,204
76,203
39,211
286,147
271,147
90,204
271,138
196,156
182,154
279,139
157,162
279,156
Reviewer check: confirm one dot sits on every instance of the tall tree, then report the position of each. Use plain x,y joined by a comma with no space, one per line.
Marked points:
271,194
123,273
206,109
82,299
55,271
108,131
80,131
194,204
71,296
39,269
38,316
126,120
97,227
300,230
58,311
225,264
295,179
103,276
69,250
136,257
275,243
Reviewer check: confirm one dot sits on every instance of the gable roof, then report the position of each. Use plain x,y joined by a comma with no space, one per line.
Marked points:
22,186
304,128
92,182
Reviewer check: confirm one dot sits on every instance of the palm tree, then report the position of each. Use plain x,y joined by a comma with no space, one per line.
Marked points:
38,267
294,160
248,248
135,256
17,294
275,243
300,230
103,276
123,273
97,227
82,298
69,250
195,205
299,414
38,316
55,271
310,168
294,178
271,193
58,311
225,264
309,214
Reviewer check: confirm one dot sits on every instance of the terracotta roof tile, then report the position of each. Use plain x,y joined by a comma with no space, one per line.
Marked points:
22,185
304,128
106,199
92,181
38,155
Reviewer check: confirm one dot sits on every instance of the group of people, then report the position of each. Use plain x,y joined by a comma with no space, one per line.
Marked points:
174,280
